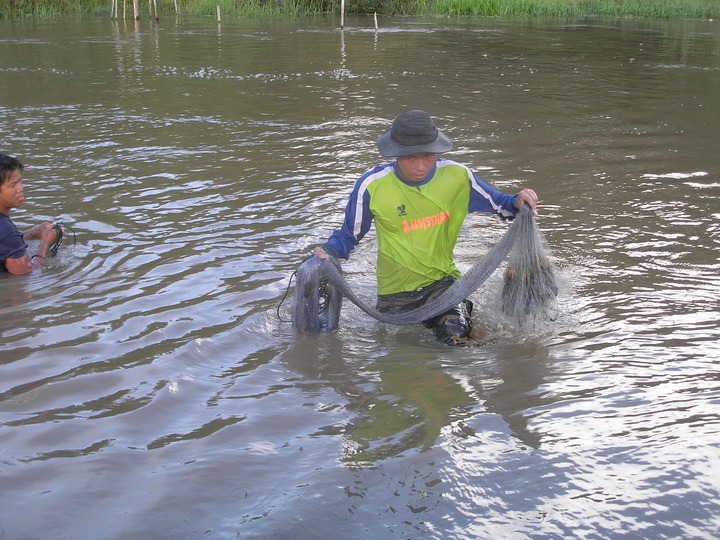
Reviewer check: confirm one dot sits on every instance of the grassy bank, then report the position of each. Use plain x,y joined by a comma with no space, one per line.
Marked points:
695,9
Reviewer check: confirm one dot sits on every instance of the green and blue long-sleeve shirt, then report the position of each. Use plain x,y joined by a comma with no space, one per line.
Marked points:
417,224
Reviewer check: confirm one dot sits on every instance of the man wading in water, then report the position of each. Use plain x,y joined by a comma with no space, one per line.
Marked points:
13,249
418,203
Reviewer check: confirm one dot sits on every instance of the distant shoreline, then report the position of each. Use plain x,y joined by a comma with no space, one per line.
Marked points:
665,9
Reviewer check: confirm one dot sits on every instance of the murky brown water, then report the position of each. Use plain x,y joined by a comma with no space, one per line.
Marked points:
148,388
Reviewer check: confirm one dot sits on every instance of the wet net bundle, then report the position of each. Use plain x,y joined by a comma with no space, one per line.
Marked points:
530,278
316,304
529,286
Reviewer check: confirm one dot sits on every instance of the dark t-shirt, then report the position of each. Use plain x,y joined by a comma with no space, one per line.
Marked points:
12,244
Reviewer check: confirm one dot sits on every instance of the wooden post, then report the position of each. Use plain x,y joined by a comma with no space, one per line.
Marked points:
342,13
376,24
136,10
218,15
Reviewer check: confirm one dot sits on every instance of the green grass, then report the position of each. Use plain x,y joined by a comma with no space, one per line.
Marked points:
696,9
22,9
701,9
252,8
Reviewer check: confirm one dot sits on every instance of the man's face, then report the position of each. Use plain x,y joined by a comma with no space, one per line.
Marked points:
11,191
415,168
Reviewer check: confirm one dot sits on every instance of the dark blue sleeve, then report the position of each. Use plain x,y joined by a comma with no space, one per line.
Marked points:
485,198
354,227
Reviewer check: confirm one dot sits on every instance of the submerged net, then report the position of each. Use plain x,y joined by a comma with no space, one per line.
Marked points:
316,304
321,286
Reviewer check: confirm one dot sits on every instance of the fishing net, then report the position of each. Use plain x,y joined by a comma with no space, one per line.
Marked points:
321,286
317,303
530,278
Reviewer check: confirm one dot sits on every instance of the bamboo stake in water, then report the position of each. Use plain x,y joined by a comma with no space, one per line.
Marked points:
136,10
342,13
218,15
376,24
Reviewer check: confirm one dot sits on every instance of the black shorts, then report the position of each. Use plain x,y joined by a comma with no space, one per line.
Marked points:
452,326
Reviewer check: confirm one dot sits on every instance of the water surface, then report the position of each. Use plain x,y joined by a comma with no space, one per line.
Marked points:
151,386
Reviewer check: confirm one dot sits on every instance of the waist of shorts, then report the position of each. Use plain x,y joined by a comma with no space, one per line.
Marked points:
406,300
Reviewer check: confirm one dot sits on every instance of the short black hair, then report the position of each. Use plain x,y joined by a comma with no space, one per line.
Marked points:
8,165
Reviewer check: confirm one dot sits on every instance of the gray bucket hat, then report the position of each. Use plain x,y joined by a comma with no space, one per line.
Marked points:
413,132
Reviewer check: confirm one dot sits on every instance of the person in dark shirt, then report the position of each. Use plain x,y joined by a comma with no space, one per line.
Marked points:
14,257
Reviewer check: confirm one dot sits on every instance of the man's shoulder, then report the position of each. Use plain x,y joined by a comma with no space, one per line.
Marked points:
444,163
453,173
379,171
6,226
11,239
375,175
